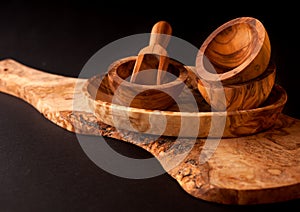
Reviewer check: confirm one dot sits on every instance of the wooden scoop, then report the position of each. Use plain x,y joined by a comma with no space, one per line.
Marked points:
159,39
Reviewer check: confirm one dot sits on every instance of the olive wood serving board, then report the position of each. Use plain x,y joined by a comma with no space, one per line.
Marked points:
260,168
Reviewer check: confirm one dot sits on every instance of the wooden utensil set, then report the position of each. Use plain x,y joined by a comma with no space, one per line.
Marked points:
255,159
233,62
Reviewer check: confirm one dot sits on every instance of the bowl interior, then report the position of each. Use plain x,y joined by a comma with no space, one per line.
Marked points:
230,47
147,75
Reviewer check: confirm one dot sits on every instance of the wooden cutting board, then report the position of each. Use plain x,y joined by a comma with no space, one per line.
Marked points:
254,169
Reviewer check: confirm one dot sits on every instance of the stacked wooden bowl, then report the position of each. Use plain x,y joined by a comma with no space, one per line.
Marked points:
234,67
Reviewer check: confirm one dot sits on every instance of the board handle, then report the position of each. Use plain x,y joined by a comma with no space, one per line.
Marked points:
19,80
44,91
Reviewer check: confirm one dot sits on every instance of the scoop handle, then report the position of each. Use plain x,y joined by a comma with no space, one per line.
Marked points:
160,34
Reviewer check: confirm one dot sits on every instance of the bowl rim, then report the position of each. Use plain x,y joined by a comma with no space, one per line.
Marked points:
258,29
268,73
183,74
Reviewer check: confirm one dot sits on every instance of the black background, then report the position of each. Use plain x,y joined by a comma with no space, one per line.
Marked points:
42,166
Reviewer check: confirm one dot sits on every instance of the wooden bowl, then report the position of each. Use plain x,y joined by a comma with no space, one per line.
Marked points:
242,96
147,95
236,52
238,123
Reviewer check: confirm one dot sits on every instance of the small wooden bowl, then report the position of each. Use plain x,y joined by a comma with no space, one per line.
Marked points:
243,96
145,96
236,52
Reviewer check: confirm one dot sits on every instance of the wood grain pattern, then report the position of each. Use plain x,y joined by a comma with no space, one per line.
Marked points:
260,168
146,95
235,52
52,95
237,123
242,96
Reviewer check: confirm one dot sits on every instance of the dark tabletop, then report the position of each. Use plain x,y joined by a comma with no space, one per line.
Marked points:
42,166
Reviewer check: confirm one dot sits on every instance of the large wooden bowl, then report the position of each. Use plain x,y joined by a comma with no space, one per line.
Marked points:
146,94
237,123
237,51
242,96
